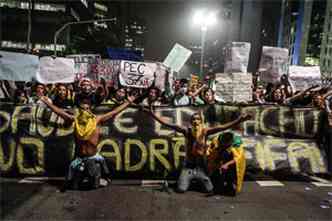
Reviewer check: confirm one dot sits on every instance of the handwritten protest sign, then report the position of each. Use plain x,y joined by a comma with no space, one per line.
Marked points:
234,87
56,70
85,64
273,64
237,57
163,77
107,68
137,74
18,66
303,77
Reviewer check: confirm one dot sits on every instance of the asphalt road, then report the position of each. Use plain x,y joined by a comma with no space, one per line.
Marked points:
285,200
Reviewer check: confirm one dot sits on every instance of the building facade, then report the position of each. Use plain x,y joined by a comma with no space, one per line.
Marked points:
326,47
32,24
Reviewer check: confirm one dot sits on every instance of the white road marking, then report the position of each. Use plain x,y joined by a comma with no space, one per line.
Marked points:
319,184
269,183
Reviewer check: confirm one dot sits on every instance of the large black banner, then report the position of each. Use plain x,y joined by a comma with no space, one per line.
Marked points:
35,141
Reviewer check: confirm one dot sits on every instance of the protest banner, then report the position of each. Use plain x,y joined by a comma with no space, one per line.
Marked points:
234,87
273,64
85,64
302,77
18,66
34,141
56,70
237,57
137,74
177,57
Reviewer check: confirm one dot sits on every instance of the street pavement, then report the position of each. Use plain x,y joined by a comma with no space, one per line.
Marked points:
266,199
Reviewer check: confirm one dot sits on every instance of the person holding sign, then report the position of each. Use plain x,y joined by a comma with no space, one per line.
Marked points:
88,161
195,167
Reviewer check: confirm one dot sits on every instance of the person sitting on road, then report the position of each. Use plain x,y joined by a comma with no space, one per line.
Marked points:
195,167
226,164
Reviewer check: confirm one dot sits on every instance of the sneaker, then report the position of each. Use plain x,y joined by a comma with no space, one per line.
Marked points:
103,182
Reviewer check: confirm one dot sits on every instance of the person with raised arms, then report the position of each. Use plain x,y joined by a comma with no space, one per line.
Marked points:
86,131
195,167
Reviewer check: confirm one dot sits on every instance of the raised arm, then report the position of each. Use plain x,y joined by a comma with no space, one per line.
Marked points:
167,124
109,115
302,93
63,114
327,94
198,90
216,129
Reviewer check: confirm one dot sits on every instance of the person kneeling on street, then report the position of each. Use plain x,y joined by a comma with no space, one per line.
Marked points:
226,164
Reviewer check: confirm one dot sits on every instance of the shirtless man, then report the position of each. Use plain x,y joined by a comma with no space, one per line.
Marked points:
87,135
196,161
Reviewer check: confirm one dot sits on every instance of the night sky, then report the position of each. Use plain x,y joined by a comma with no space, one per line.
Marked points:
171,22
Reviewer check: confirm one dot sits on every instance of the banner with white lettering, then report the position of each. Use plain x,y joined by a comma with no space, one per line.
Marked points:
35,141
273,64
56,70
18,66
137,74
303,77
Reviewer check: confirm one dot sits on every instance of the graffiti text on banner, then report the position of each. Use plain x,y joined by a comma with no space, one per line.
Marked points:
35,141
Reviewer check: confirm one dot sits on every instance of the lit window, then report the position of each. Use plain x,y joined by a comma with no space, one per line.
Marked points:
24,5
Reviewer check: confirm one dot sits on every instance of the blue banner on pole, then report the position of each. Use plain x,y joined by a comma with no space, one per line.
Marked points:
124,54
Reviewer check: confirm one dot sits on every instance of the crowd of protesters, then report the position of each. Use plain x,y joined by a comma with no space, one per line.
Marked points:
183,93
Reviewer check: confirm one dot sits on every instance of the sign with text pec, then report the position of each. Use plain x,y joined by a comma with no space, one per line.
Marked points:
56,70
137,74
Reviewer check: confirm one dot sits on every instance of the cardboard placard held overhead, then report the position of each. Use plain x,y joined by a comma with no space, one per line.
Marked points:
85,64
302,77
137,74
234,87
273,64
56,70
237,57
18,66
177,57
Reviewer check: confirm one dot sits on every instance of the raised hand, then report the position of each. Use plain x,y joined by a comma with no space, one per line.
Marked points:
245,116
132,98
44,99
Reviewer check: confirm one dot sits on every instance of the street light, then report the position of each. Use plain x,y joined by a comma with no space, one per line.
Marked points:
76,23
204,19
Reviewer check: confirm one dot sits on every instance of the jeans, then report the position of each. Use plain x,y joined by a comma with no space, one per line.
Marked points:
92,167
189,174
225,182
